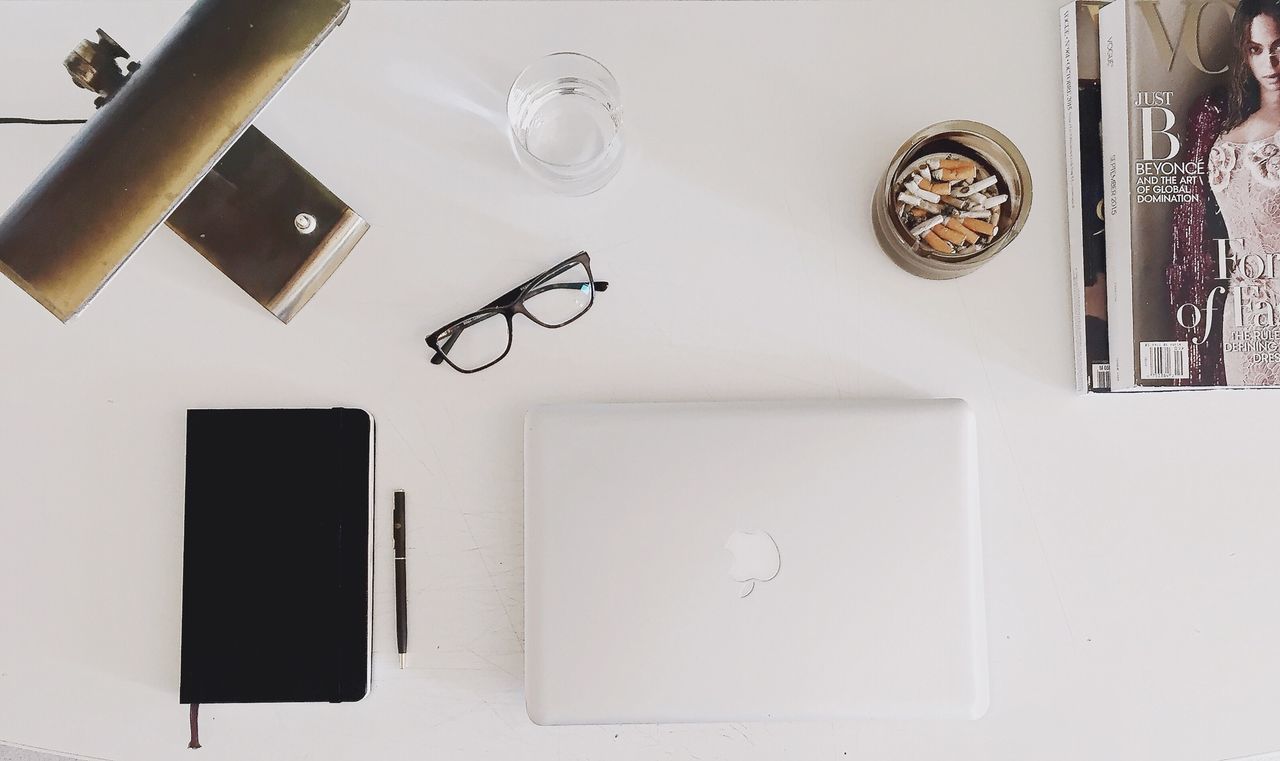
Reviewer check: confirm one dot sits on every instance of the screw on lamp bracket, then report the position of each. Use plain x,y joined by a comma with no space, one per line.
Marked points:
94,66
305,223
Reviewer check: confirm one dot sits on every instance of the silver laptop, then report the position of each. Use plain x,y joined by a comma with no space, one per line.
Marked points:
744,562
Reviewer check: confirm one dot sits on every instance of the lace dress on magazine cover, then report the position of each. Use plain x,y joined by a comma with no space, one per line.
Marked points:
1245,179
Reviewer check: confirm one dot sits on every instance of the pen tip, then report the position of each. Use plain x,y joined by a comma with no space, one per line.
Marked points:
401,660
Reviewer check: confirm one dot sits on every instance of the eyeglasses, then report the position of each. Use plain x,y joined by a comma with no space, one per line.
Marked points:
553,299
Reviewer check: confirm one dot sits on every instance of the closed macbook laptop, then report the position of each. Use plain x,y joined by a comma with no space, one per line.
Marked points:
742,562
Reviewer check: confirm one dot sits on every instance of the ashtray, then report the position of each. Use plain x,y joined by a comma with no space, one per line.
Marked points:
955,195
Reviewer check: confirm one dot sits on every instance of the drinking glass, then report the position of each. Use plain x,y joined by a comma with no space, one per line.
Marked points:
565,114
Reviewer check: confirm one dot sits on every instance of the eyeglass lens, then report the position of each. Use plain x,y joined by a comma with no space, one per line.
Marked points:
560,297
478,341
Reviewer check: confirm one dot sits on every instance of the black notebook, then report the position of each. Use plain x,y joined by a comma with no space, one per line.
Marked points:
276,567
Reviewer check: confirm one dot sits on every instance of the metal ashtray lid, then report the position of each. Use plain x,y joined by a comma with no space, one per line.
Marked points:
954,195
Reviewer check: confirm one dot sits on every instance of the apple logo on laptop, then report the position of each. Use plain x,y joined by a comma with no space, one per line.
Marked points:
755,559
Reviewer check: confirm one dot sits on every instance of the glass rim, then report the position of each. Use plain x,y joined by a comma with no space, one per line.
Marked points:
557,54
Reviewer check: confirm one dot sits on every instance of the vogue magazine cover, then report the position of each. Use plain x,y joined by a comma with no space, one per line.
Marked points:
1203,118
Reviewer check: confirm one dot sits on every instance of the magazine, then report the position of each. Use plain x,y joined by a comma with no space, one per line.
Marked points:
1082,109
1191,134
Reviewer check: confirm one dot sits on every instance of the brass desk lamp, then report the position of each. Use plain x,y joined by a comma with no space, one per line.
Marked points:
172,142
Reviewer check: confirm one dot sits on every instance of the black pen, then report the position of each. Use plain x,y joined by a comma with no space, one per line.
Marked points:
402,617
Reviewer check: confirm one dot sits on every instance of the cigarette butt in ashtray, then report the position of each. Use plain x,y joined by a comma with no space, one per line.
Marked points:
926,226
949,235
911,200
936,243
977,186
978,226
956,225
958,174
915,189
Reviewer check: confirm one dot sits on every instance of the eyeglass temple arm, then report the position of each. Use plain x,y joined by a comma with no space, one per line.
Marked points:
600,285
511,295
506,298
438,357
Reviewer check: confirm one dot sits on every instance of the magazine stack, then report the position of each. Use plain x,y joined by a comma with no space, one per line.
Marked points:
1189,177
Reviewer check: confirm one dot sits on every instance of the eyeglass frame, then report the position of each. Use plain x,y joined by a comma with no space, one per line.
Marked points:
511,303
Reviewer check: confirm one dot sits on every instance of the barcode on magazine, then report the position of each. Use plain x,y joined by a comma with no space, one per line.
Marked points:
1101,376
1164,360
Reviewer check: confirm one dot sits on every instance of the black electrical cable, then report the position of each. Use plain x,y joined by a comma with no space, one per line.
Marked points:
21,120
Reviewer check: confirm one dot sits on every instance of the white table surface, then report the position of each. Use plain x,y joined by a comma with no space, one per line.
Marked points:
1131,542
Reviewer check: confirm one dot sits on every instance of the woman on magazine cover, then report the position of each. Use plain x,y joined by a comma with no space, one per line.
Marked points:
1237,134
